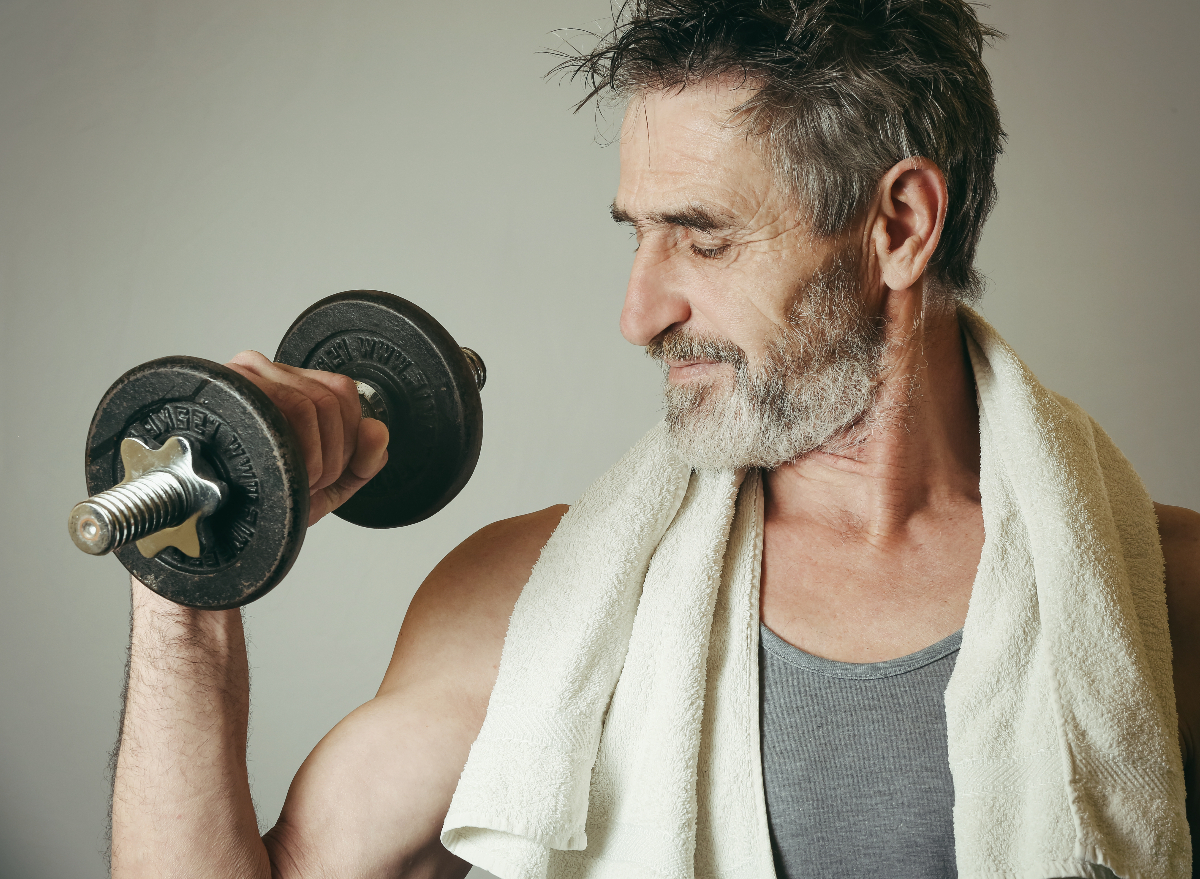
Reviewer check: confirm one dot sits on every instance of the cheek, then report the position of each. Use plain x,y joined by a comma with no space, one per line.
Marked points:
734,304
778,281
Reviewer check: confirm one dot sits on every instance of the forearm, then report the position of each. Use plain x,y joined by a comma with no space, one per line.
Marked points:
181,797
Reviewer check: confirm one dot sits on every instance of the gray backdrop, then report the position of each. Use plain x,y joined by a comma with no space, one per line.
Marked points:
187,177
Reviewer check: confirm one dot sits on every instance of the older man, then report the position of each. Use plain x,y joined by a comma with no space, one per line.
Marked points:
807,182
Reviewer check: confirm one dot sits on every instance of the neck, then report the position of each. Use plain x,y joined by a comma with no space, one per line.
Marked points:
915,453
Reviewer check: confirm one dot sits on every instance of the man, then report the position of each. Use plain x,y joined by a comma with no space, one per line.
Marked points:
807,183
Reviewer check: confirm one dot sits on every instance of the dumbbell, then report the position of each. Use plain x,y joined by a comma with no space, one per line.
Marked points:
198,483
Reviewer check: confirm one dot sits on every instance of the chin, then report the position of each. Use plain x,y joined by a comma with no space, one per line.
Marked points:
725,428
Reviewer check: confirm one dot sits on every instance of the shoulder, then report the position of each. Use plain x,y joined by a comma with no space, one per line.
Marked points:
455,626
1179,531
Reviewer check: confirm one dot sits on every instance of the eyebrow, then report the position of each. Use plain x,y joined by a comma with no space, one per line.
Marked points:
693,216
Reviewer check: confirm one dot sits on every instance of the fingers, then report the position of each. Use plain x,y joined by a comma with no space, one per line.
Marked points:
369,457
342,450
346,392
322,408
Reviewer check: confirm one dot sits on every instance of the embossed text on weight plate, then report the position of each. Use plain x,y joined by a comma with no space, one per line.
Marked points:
341,354
243,480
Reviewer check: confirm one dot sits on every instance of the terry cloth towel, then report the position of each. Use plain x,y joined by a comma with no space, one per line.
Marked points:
621,739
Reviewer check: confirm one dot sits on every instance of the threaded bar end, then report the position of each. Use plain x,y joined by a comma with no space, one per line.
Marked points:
129,512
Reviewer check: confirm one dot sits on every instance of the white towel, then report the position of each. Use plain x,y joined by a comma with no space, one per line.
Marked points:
621,739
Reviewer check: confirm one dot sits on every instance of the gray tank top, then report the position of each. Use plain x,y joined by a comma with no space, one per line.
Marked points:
854,763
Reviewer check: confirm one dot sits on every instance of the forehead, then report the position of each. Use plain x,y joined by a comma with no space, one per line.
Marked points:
684,147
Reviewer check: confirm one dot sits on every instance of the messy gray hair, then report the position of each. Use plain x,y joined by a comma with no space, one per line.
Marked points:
843,91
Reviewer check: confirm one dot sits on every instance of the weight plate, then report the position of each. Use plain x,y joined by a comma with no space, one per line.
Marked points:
252,540
418,380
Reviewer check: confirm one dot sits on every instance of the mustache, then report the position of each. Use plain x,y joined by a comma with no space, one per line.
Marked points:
681,344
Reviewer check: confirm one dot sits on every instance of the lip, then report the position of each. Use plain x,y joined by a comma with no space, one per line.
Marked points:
682,370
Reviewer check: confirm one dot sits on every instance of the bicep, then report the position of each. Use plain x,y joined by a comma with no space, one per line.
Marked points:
371,798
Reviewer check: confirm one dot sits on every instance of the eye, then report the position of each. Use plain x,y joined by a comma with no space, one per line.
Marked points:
710,252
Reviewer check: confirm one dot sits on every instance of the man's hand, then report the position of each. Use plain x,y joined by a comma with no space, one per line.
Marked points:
342,450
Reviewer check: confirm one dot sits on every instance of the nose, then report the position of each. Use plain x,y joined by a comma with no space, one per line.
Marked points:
651,305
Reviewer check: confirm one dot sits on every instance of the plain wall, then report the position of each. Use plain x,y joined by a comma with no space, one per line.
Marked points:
187,177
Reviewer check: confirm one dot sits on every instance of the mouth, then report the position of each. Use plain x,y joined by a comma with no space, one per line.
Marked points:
691,358
679,371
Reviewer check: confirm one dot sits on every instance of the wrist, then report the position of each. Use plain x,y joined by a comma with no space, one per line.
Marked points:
159,621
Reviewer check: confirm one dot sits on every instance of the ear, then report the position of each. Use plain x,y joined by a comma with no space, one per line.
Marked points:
907,225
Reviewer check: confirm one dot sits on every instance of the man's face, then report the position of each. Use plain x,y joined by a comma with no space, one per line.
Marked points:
769,349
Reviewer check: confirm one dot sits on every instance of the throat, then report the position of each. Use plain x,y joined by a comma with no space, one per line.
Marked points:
855,597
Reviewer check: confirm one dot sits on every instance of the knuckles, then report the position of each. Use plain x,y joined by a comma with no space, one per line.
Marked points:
344,387
250,358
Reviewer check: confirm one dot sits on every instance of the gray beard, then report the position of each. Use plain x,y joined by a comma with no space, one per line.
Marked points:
817,381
